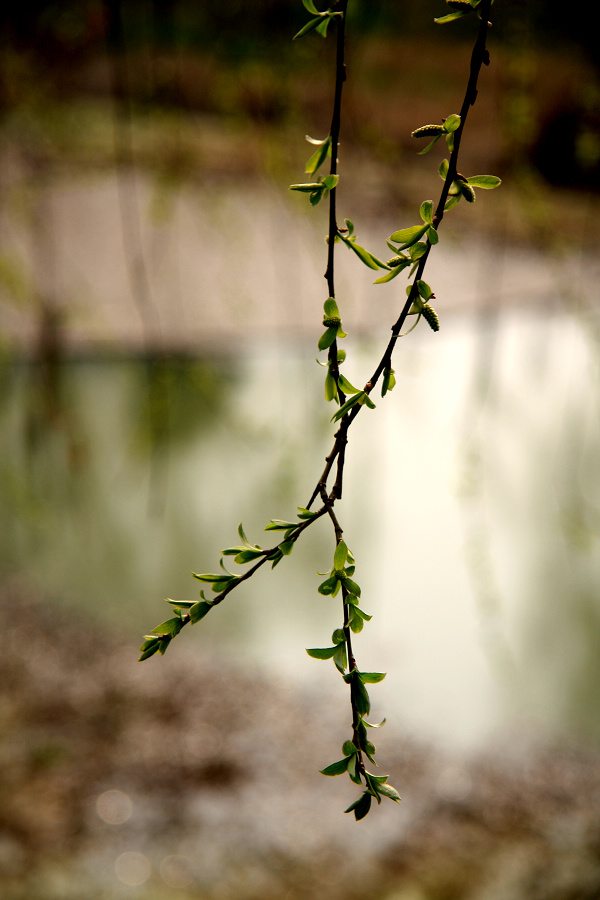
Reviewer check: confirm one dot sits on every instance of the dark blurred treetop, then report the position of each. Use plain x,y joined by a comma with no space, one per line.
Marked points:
238,27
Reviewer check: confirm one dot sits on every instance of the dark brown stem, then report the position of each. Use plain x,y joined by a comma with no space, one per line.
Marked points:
340,77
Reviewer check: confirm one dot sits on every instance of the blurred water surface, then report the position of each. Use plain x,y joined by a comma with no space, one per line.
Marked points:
472,505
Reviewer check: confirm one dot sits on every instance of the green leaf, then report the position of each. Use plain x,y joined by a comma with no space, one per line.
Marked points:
170,627
443,169
330,181
313,23
338,636
352,587
286,547
430,145
362,254
360,696
207,576
366,400
317,159
277,557
280,525
307,188
323,26
148,649
242,535
322,652
346,386
183,604
362,614
350,226
389,275
340,658
348,748
426,211
467,191
310,6
247,556
328,337
386,790
328,586
389,381
352,401
450,17
361,806
378,725
305,513
340,556
163,645
330,307
452,201
353,769
451,123
487,182
408,236
336,768
356,623
424,290
432,235
372,677
199,610
417,250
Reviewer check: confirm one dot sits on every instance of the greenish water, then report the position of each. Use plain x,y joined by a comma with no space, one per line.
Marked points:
472,505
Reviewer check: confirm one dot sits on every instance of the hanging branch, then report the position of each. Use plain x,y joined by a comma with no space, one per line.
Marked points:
411,252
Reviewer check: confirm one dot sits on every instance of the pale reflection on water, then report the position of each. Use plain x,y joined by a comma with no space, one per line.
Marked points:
471,504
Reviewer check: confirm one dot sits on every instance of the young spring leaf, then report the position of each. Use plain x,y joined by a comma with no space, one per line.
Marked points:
362,254
328,337
408,236
247,555
328,586
317,159
449,18
346,386
312,23
352,401
426,211
487,182
360,696
372,677
336,768
340,658
386,790
183,604
170,627
340,556
310,6
280,525
307,188
360,807
452,122
322,652
149,648
199,610
395,271
389,380
330,181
